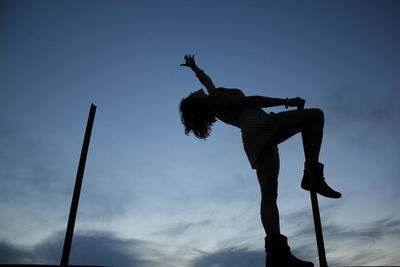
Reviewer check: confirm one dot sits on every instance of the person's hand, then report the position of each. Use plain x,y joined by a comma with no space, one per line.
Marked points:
296,102
189,61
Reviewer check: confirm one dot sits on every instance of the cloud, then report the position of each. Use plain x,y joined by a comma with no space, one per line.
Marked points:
361,243
89,248
370,232
232,257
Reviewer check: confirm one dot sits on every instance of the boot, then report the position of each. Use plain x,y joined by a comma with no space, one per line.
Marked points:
313,179
278,253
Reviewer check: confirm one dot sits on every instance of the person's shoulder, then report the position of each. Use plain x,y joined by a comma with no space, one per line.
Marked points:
217,96
222,92
229,90
224,98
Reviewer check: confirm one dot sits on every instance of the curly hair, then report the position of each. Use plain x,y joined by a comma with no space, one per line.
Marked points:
196,117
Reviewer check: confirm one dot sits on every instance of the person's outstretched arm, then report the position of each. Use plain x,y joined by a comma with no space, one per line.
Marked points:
204,79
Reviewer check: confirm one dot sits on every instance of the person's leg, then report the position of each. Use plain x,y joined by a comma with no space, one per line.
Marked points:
308,122
267,167
276,246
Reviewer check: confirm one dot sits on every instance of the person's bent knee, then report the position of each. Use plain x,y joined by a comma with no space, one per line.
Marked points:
318,115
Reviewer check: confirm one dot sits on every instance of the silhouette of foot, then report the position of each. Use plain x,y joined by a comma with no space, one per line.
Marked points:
320,187
279,255
314,180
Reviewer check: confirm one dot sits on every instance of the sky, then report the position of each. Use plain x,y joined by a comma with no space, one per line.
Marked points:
153,196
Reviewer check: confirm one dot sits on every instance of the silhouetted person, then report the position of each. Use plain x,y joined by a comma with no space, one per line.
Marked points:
261,133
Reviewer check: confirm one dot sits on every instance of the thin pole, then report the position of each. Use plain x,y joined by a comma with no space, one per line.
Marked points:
317,222
77,189
318,229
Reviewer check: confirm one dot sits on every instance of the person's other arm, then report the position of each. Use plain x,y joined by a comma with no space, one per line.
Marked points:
248,102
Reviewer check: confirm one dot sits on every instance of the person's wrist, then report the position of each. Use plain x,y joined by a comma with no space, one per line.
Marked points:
196,69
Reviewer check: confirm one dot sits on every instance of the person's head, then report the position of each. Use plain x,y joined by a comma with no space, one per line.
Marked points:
196,115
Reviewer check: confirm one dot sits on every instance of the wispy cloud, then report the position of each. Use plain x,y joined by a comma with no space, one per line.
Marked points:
182,228
374,116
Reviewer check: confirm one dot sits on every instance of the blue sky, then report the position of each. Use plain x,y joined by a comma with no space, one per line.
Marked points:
152,196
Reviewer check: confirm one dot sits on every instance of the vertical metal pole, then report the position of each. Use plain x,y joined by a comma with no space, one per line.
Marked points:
77,189
317,223
318,229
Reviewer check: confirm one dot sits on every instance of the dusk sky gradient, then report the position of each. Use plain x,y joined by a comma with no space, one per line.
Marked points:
152,196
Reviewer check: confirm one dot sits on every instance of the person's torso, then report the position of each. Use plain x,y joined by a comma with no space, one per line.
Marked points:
237,117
